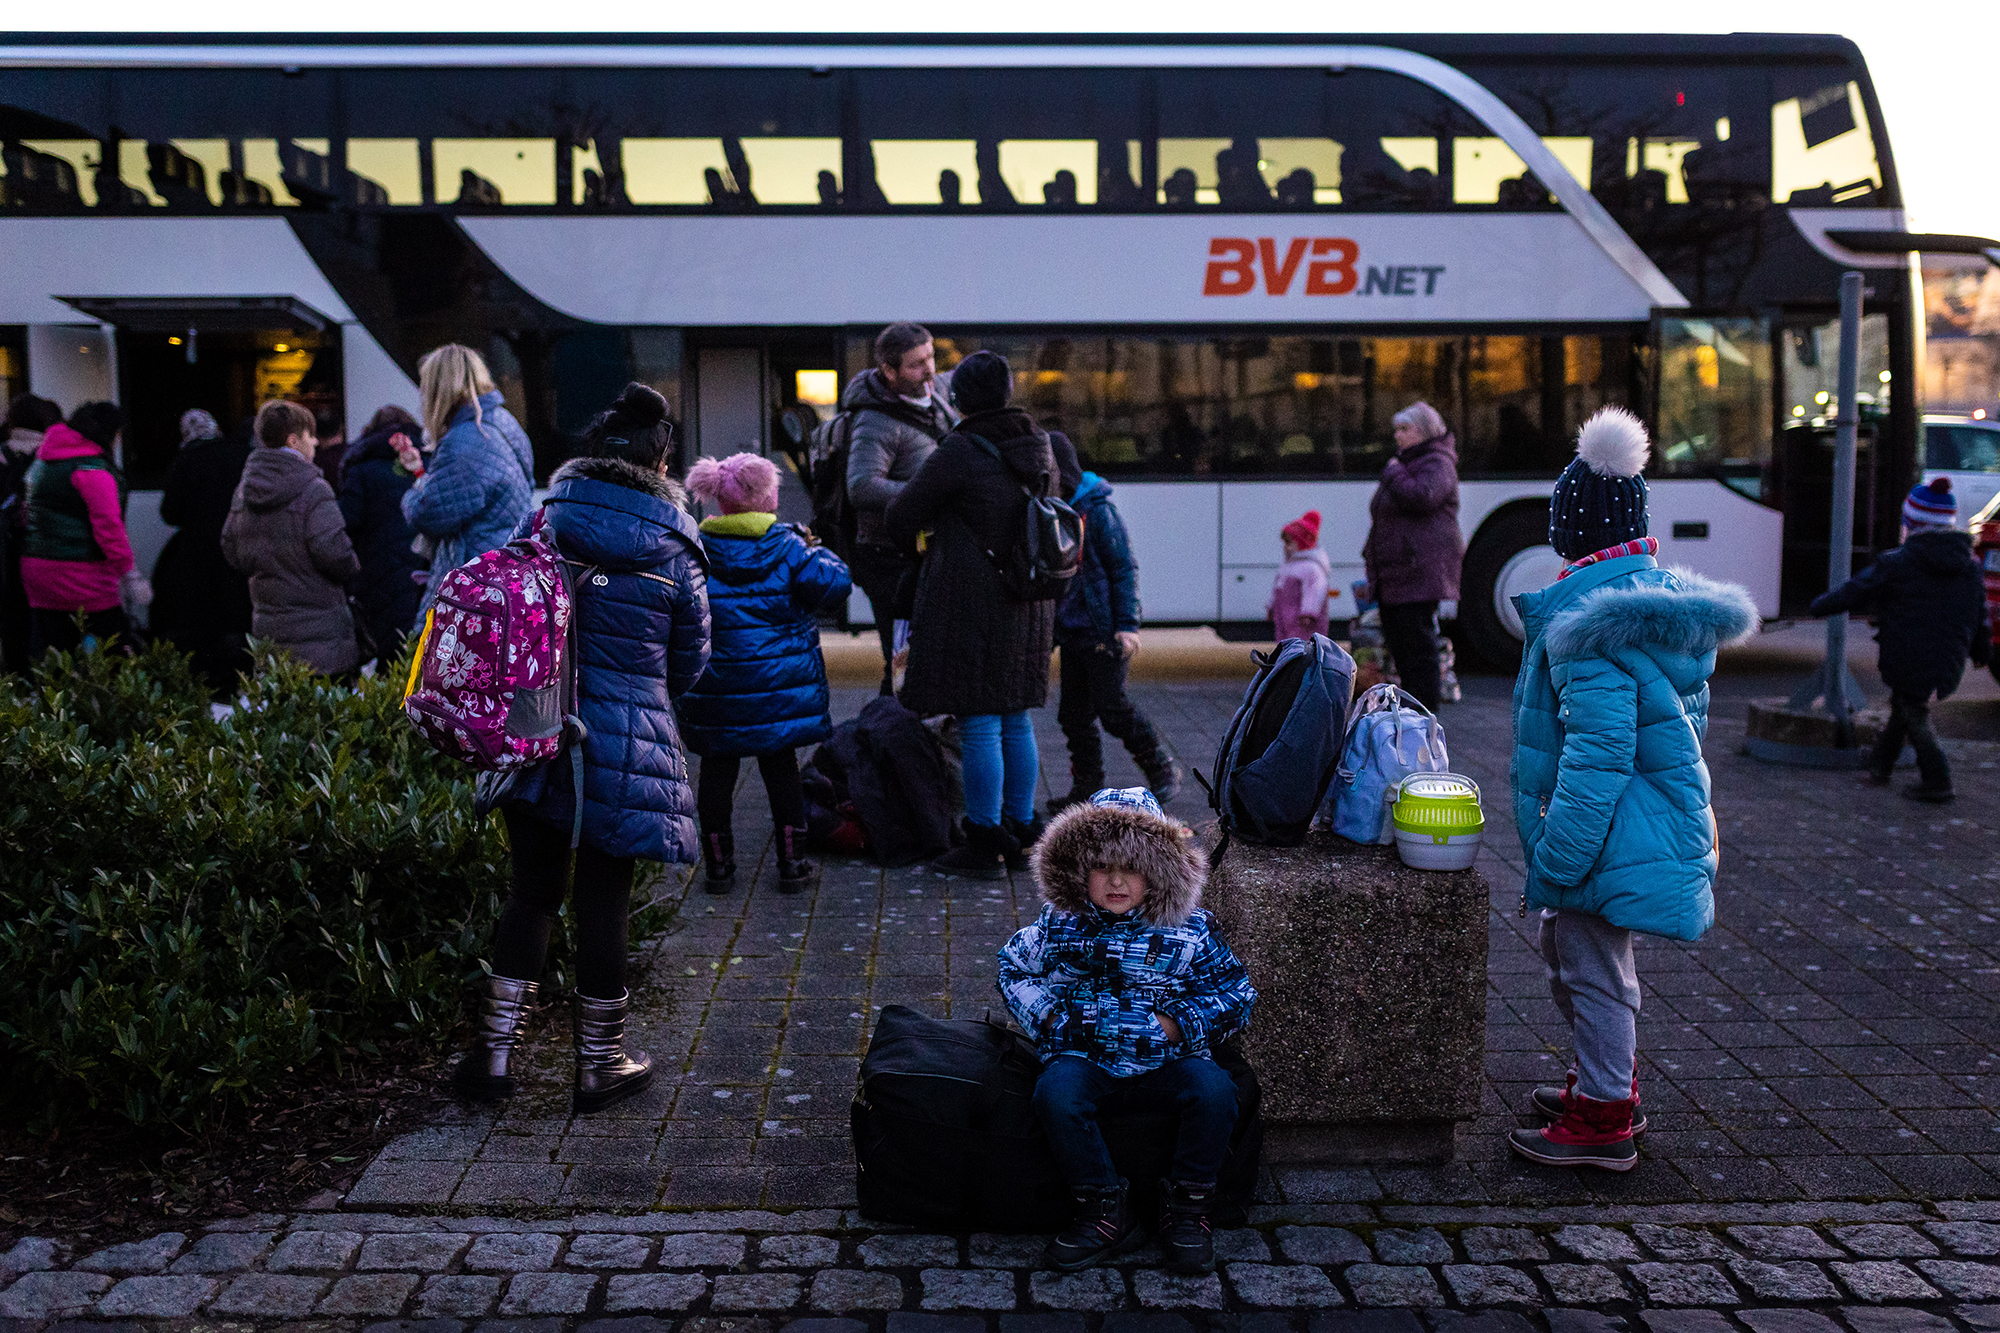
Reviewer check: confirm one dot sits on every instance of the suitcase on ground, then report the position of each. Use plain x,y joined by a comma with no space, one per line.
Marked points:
945,1134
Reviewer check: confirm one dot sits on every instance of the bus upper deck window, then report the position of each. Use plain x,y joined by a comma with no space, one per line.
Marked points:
522,171
911,171
1482,168
1033,170
1821,150
82,156
392,165
1250,172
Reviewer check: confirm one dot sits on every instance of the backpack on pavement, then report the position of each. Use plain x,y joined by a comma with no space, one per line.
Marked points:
493,684
1389,736
945,1134
1284,743
1048,552
833,520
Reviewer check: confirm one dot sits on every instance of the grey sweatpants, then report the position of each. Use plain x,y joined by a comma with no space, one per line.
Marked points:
1596,986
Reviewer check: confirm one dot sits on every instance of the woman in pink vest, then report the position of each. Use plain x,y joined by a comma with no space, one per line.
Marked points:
75,557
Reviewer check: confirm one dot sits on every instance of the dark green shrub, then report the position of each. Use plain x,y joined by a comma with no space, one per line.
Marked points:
188,906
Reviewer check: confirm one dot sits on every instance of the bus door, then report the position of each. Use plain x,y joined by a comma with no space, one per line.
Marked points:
1806,405
765,395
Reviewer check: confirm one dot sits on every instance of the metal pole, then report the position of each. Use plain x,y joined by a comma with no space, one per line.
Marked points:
1840,553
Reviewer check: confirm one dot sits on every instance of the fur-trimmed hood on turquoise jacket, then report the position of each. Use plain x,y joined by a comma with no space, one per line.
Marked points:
1611,794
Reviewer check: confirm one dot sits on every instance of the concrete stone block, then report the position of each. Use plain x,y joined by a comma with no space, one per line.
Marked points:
910,1251
967,1289
1241,1245
1685,1321
1412,1247
1366,1321
602,1251
1969,1282
1787,1321
394,1184
1493,1245
269,1296
653,1291
46,1295
1595,1242
548,1293
461,1296
1883,1280
224,1252
1794,1281
1583,1321
1007,1251
756,1291
798,1252
314,1252
139,1256
701,1249
1584,1284
1491,1284
1785,1243
1684,1284
1393,1284
1885,1240
1037,1322
822,1324
1975,1238
1371,1013
1322,1245
505,1252
936,1323
1092,1289
30,1254
413,1252
370,1294
157,1297
843,1289
1159,1290
1893,1319
1680,1242
1275,1286
1484,1321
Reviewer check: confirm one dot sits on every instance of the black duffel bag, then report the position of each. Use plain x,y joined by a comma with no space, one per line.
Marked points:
945,1134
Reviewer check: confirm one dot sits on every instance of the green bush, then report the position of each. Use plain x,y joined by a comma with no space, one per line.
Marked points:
188,906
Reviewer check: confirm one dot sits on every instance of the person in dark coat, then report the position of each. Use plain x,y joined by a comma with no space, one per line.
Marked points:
764,693
373,482
1929,600
641,633
974,651
1414,549
1097,627
200,603
285,534
28,422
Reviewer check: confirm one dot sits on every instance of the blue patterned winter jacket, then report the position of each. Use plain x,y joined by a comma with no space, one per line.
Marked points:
765,687
477,488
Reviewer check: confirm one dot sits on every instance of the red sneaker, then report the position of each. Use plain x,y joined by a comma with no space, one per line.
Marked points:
1589,1133
1554,1102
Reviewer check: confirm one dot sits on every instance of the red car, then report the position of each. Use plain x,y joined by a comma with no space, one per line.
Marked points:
1986,545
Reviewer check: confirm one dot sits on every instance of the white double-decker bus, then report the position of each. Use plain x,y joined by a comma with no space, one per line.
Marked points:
1221,265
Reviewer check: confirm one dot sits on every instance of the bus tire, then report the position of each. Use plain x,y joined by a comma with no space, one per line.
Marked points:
1514,531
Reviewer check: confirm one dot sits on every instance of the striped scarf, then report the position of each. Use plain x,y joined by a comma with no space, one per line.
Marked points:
1639,546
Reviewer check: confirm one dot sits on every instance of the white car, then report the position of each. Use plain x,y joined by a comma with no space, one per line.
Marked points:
1966,449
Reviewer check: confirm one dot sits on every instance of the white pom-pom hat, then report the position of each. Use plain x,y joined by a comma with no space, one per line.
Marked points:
1600,499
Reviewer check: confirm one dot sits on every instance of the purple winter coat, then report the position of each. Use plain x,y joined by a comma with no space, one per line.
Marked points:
1414,549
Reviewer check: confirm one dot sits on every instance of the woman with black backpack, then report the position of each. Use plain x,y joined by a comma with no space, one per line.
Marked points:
976,650
641,635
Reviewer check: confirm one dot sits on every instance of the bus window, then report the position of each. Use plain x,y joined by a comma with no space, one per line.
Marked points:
673,171
793,171
1812,369
394,166
1486,171
494,171
1821,150
923,171
52,172
1714,416
1050,171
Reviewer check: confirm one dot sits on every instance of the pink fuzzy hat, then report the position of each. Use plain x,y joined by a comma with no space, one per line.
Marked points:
740,483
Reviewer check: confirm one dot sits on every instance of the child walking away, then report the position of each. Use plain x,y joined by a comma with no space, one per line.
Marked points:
1097,628
1611,795
1126,990
1929,599
641,633
764,693
1298,594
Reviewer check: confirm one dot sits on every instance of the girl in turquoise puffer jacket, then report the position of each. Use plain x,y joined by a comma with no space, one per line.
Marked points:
1611,793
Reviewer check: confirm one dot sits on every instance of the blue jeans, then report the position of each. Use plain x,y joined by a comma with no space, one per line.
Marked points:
1072,1092
1001,767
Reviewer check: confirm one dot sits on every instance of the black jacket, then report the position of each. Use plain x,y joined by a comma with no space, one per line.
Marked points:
197,596
973,648
1929,602
371,504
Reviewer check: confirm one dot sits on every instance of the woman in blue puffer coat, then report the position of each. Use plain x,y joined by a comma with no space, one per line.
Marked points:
641,635
1611,793
764,693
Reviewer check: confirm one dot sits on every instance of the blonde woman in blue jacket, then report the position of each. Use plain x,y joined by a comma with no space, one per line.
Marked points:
1611,794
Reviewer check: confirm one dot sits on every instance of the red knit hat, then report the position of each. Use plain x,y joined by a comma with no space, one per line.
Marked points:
1303,532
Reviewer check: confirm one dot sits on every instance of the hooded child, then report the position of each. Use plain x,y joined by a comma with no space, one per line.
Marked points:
1611,794
1126,990
764,693
1929,599
1298,594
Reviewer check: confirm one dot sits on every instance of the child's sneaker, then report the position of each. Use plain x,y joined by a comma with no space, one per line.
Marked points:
1185,1234
1554,1102
1590,1133
1102,1226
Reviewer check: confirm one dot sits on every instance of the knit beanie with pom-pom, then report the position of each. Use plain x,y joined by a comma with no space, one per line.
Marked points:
1930,505
1600,498
1303,531
738,484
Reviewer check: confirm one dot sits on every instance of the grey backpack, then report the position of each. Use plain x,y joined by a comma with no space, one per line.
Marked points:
1282,747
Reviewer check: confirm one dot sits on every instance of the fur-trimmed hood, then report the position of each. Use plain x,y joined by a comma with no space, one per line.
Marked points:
1089,837
1681,612
621,473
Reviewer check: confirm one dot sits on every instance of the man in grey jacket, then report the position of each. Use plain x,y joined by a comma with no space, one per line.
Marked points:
898,421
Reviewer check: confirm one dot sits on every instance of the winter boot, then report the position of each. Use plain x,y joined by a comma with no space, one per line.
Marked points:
485,1072
721,848
1590,1133
604,1073
983,855
1184,1227
1025,836
1163,776
1102,1226
794,871
1554,1102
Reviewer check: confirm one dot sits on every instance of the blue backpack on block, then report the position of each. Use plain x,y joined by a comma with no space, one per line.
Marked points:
1283,745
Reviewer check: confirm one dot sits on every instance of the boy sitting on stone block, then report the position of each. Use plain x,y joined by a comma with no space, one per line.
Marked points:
1126,991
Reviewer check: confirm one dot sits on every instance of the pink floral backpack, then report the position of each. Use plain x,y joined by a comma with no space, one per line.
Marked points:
494,681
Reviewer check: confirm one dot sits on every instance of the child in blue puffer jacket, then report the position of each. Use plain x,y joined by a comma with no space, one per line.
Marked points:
764,693
1611,794
1126,991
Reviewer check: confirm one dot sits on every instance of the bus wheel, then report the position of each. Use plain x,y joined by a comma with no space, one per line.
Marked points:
1509,555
